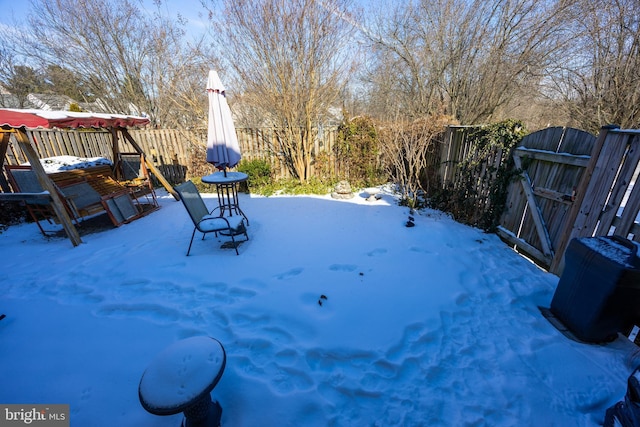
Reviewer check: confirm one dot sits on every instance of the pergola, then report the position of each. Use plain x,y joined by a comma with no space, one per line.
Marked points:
17,122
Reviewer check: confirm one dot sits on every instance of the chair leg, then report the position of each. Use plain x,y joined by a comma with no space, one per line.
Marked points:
191,242
34,213
233,240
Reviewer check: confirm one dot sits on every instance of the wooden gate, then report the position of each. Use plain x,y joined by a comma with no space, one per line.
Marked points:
553,161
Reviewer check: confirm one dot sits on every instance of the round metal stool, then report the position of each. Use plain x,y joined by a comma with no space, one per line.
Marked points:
180,379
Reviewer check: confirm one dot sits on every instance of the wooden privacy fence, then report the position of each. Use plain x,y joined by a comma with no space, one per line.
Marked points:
572,185
177,153
457,149
165,148
263,144
607,201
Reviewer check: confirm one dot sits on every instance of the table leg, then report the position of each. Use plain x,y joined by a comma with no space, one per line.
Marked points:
228,200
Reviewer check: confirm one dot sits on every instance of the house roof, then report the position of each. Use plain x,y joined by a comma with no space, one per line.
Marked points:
14,118
8,100
50,101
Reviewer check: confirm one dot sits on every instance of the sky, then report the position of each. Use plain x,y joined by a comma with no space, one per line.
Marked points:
13,9
334,314
192,10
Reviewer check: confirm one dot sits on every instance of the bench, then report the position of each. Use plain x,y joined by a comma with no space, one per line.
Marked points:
102,180
84,192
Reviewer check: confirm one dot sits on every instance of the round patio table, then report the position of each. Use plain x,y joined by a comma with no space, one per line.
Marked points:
180,379
227,190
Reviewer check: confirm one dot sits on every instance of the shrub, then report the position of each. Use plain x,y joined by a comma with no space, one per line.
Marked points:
259,172
410,153
358,151
75,107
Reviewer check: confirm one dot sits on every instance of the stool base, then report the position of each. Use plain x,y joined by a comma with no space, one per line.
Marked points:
205,413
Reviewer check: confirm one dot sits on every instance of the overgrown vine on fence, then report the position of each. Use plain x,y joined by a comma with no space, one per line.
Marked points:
463,198
505,135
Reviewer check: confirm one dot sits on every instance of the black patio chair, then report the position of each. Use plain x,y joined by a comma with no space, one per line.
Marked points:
204,222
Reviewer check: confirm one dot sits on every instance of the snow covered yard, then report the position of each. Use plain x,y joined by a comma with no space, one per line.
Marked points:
435,325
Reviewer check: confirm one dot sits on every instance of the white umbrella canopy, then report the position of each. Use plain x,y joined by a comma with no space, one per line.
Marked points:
223,150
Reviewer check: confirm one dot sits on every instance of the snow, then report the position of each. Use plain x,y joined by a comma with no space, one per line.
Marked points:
65,163
612,250
434,325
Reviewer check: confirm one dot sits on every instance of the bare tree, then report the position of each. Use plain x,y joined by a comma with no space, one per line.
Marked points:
600,83
21,81
408,151
135,61
466,58
290,59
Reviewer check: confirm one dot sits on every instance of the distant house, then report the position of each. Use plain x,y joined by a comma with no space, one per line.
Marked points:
8,100
45,101
53,102
50,102
98,106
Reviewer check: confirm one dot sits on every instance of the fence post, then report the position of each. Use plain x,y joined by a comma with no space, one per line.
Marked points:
572,229
445,151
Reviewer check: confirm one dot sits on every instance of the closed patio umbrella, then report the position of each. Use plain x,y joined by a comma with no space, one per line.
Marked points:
223,150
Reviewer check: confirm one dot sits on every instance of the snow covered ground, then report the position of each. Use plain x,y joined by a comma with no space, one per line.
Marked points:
435,325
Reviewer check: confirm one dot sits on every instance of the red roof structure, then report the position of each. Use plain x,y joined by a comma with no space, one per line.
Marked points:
32,119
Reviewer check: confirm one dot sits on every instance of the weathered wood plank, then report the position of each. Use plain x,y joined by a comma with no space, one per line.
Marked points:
541,229
556,159
625,222
577,220
629,162
549,156
598,190
47,185
556,196
523,245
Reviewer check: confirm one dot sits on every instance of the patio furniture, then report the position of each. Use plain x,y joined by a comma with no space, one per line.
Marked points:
23,180
117,200
227,189
132,169
121,207
82,198
84,192
204,222
79,198
181,378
